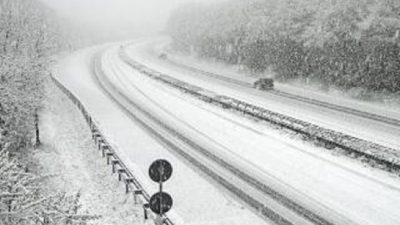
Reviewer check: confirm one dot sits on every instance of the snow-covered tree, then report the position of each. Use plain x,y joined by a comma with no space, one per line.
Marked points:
348,44
27,39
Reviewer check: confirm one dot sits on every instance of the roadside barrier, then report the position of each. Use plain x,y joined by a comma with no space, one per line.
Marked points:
132,185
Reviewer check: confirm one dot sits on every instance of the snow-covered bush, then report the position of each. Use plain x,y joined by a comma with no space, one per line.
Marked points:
22,201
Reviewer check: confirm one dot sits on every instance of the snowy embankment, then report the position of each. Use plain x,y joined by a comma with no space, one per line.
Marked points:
299,170
70,157
196,200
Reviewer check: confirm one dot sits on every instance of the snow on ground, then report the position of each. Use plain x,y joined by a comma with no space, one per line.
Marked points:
69,155
344,187
196,200
374,131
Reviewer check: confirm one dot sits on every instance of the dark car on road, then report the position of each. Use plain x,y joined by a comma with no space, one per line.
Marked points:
163,56
264,84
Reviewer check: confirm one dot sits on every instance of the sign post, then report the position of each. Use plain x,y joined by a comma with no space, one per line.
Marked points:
161,202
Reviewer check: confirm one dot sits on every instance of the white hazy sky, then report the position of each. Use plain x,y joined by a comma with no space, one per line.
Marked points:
118,15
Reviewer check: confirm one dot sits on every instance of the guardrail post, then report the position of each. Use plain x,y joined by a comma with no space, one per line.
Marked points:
93,126
109,155
103,150
98,139
146,206
127,182
102,146
120,171
135,194
95,135
114,162
100,143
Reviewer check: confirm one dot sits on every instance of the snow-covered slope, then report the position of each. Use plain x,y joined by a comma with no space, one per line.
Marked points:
69,155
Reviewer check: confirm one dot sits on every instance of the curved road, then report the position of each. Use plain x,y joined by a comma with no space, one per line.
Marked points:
202,203
335,189
318,182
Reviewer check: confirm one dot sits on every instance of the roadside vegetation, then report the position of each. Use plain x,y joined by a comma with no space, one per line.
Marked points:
349,44
28,38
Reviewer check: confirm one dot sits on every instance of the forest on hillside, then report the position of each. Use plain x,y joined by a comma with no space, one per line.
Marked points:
347,44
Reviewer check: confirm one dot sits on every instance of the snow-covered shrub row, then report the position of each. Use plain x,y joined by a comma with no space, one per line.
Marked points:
374,153
348,44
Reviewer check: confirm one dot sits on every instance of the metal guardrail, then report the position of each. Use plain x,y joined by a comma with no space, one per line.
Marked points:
132,185
388,157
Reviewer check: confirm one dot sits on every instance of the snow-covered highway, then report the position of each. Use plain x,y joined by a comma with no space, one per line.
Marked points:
202,151
196,200
336,190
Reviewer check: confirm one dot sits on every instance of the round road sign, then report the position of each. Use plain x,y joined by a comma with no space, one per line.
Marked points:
160,202
160,170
